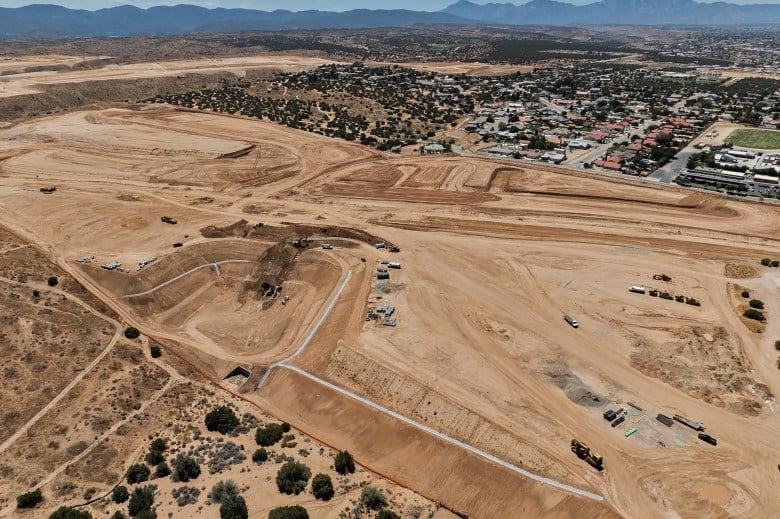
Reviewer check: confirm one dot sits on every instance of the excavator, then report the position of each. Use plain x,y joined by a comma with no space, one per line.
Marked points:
583,452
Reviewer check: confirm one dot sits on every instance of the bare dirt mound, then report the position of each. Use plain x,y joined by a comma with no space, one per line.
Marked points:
378,176
708,205
705,363
740,271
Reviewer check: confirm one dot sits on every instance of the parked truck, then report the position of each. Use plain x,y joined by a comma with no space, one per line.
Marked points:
573,322
696,426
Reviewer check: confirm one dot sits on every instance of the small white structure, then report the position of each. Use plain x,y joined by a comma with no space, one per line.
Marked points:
636,289
327,246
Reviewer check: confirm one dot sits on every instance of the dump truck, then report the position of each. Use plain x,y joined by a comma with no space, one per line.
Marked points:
573,322
168,219
696,426
583,452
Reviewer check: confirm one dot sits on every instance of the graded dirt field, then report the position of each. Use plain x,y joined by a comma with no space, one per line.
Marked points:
473,397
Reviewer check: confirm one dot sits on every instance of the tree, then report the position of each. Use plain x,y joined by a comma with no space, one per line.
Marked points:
52,281
185,468
285,427
344,463
29,499
322,487
222,419
66,512
120,494
292,477
155,351
132,333
138,473
269,434
234,507
259,456
387,514
766,261
288,512
149,513
745,294
752,313
119,514
775,263
222,490
756,303
372,498
162,470
141,499
156,450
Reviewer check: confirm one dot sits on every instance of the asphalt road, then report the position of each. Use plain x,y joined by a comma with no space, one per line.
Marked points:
671,169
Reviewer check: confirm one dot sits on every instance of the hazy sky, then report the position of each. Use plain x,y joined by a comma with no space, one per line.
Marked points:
293,5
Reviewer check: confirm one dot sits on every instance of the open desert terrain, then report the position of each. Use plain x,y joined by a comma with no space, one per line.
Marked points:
470,401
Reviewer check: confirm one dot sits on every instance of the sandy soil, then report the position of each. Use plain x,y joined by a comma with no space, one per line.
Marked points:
26,83
492,257
470,69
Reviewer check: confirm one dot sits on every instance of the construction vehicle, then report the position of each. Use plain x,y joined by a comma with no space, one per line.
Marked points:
573,322
583,452
301,243
707,438
48,190
168,219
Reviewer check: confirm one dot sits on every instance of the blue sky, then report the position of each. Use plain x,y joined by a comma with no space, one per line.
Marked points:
294,5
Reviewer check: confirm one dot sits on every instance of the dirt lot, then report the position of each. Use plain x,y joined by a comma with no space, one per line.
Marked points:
491,258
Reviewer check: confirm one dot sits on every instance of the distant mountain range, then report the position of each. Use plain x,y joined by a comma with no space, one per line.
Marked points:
51,21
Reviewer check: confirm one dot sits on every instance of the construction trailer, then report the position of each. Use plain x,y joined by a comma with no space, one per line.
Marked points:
636,289
619,420
394,265
379,245
707,438
382,275
696,426
609,415
665,420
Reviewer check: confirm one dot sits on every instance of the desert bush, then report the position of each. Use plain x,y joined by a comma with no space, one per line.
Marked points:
119,514
36,294
222,419
269,434
234,507
777,345
225,455
156,449
155,351
52,281
766,261
292,477
132,333
223,490
757,304
372,498
29,499
322,487
288,512
285,427
185,468
775,263
752,313
185,495
745,294
120,494
344,463
149,513
138,473
261,455
387,514
66,512
141,499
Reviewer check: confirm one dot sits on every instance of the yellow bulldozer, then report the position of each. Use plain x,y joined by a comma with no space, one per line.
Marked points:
583,452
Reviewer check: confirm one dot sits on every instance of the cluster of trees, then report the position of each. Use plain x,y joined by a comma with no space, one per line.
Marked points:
767,262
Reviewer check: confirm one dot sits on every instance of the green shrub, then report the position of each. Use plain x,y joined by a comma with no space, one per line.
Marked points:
222,419
156,450
757,304
119,514
141,499
185,468
120,494
752,313
387,514
745,294
292,478
766,261
234,507
775,263
322,487
155,351
285,427
269,434
260,456
132,333
344,463
29,499
138,473
66,512
289,512
372,498
777,345
52,281
223,490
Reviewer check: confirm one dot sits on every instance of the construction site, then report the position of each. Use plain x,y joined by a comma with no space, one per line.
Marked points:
410,308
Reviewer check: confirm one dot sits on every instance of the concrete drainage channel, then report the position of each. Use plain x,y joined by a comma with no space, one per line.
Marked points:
453,441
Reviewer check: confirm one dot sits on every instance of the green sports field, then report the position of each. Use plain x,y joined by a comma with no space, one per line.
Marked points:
757,139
